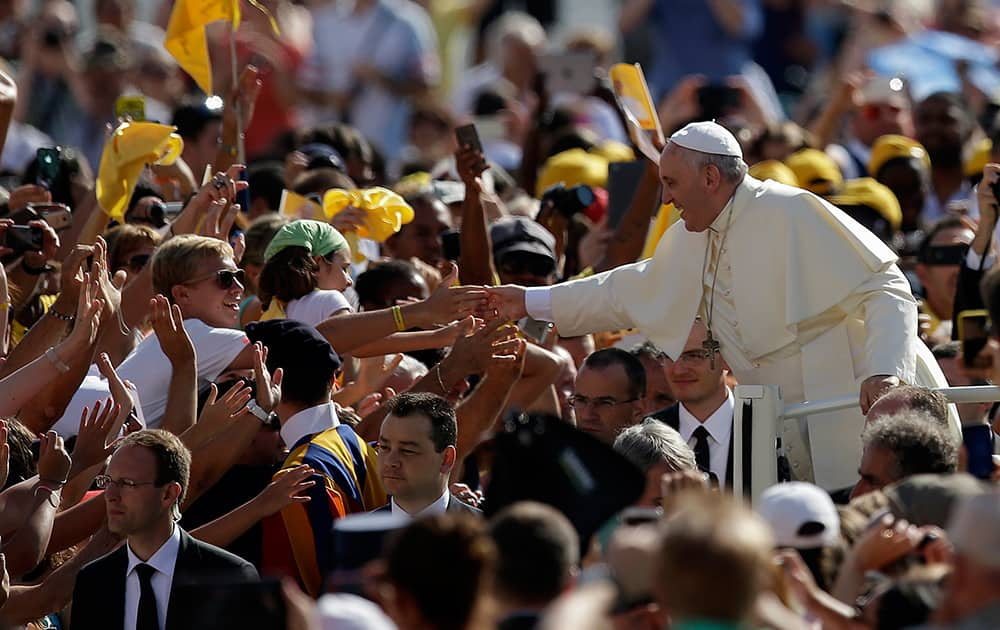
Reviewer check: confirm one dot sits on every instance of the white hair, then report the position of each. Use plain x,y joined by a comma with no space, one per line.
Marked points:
731,168
653,442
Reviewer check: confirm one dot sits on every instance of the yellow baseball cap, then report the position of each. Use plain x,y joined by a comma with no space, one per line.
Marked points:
775,170
815,171
980,158
573,167
892,146
865,191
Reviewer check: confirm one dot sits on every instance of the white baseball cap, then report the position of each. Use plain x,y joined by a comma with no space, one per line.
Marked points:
801,515
974,528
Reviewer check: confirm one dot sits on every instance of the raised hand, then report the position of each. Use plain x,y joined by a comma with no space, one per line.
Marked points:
53,460
120,393
477,350
88,315
268,387
449,303
218,412
95,442
287,488
109,288
505,302
168,324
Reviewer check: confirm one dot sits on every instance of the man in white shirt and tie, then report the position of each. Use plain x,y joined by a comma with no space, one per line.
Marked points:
703,413
416,455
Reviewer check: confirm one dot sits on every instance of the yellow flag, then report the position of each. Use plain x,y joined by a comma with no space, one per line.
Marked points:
186,35
130,148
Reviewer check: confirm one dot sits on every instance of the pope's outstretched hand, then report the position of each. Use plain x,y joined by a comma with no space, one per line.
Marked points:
505,302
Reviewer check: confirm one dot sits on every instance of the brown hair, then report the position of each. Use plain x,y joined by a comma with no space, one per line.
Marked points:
173,459
126,238
288,275
713,561
447,599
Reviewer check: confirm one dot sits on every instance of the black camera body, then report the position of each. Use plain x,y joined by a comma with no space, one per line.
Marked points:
568,201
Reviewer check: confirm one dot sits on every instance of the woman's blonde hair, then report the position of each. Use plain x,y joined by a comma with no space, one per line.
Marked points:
179,260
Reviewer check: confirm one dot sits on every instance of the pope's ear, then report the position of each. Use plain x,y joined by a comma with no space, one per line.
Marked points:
712,176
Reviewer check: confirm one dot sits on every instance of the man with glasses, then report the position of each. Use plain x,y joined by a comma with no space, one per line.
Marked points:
153,578
703,413
610,387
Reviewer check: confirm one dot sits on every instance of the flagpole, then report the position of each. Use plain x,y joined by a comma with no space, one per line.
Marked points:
240,145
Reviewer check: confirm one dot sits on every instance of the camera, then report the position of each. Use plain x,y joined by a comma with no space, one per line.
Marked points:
568,201
53,37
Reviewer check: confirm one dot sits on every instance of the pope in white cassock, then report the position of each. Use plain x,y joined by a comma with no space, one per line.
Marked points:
794,293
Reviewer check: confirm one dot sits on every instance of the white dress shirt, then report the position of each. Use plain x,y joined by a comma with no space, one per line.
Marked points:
720,430
163,561
434,509
308,422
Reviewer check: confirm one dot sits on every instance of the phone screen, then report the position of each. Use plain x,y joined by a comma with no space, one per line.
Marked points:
973,331
978,440
468,136
47,163
623,180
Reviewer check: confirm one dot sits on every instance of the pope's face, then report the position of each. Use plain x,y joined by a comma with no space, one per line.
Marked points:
686,187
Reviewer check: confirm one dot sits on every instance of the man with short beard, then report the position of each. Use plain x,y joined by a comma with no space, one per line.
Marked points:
944,124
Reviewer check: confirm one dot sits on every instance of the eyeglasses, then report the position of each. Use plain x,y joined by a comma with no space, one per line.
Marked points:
225,278
602,402
694,357
104,482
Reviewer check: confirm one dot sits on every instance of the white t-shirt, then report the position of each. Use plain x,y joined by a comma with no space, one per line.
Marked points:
317,306
150,371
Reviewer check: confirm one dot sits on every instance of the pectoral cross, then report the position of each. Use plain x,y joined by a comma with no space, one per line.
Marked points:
712,346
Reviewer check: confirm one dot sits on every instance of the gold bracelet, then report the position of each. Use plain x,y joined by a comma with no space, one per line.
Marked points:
397,316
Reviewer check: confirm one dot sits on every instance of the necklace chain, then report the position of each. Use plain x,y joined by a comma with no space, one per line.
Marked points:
715,272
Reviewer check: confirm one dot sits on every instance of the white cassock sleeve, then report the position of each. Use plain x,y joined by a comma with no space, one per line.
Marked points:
891,319
538,303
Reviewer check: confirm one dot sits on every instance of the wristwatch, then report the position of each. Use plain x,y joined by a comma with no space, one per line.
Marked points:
258,411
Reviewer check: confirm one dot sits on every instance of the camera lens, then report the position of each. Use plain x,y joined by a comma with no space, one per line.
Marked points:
52,37
158,213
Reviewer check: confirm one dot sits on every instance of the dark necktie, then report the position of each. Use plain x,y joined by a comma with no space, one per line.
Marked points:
147,618
701,454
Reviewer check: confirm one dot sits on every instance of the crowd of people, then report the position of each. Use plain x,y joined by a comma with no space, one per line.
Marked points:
400,327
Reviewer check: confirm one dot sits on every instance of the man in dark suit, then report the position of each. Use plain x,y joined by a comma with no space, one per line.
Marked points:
703,413
416,446
147,584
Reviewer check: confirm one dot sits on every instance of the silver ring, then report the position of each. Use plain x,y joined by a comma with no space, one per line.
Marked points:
219,182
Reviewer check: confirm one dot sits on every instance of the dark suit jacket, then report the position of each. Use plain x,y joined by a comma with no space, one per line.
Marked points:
99,594
454,505
671,417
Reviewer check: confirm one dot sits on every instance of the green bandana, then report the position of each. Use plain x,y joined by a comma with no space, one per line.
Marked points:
319,239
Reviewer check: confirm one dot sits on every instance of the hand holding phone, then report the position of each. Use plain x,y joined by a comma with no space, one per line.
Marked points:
47,166
973,332
467,136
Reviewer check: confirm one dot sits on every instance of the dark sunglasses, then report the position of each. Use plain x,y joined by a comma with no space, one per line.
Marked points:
225,278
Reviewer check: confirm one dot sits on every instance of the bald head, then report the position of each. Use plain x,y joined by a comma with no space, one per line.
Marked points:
910,398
